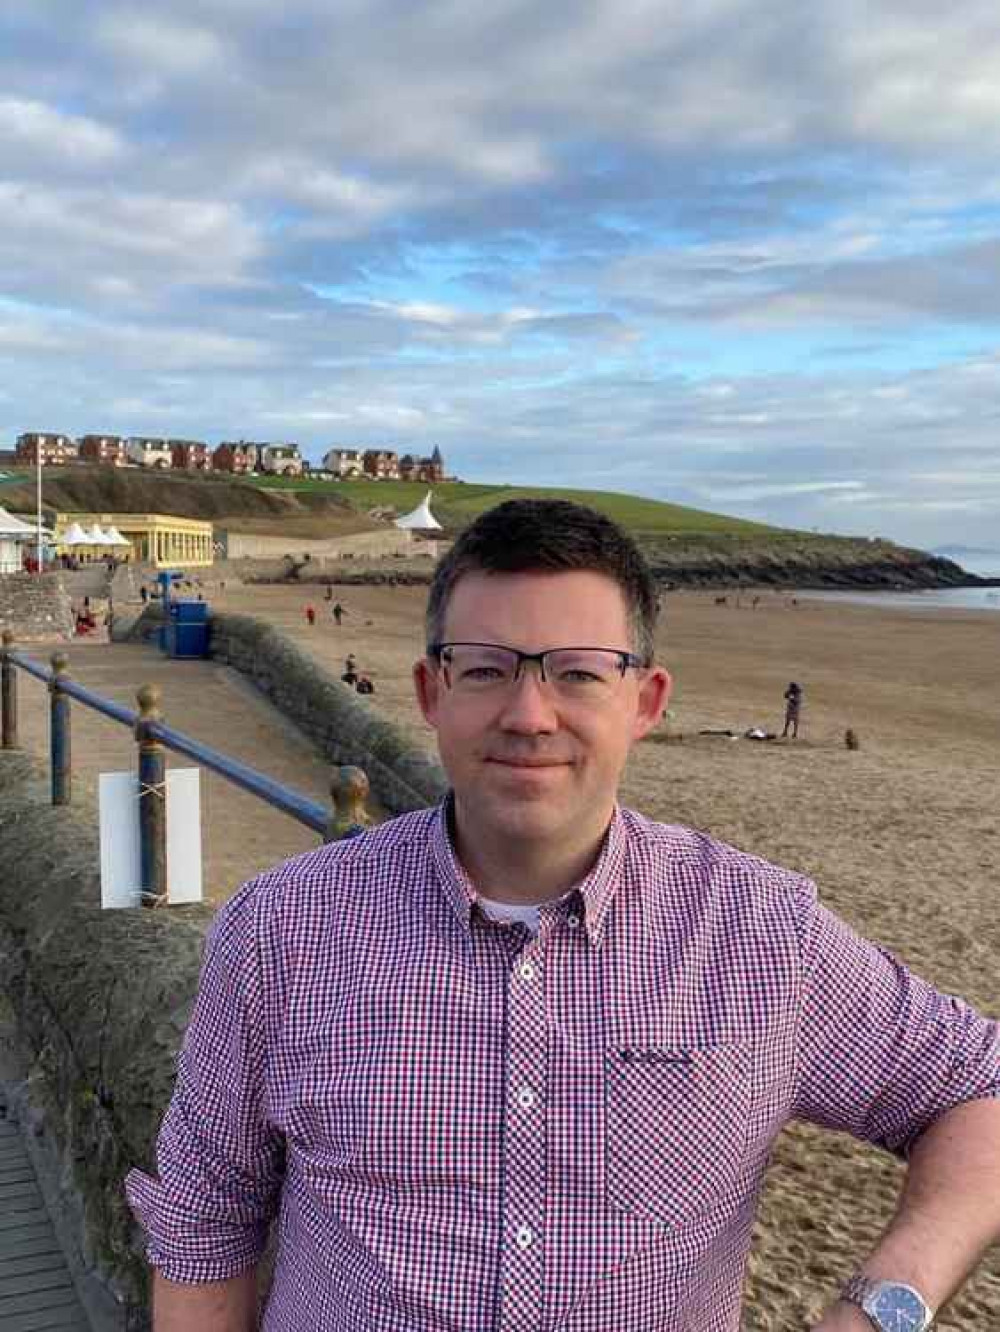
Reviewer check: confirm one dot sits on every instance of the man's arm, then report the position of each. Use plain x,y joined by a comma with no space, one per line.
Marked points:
948,1214
213,1306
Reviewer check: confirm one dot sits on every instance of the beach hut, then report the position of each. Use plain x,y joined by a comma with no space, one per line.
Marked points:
420,519
15,534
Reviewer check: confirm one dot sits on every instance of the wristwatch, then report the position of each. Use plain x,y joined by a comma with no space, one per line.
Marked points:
891,1305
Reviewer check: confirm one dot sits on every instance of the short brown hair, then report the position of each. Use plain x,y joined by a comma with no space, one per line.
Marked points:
549,536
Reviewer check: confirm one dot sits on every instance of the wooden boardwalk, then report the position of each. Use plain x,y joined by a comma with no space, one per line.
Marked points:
36,1289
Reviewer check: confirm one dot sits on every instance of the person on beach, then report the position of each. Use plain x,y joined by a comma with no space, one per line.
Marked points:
338,612
519,1060
311,615
793,706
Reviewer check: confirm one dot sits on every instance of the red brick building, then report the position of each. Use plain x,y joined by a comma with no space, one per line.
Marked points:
422,469
382,464
54,450
191,454
107,449
237,458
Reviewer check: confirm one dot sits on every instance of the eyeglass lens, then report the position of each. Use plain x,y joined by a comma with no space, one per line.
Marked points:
476,668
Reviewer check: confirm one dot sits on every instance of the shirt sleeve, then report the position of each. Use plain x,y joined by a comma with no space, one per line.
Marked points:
882,1053
219,1163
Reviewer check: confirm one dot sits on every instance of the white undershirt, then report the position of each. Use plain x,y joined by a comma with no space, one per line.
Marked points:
516,913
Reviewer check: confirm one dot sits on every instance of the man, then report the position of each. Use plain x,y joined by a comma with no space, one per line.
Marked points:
517,1062
793,707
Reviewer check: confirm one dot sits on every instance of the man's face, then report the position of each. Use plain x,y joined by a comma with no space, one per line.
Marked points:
524,761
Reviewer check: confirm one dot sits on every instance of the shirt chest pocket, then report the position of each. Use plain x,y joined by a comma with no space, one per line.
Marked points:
676,1123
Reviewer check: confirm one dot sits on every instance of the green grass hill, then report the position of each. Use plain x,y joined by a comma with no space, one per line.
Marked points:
456,503
683,545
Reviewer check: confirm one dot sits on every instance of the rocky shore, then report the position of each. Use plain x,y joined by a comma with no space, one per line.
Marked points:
714,562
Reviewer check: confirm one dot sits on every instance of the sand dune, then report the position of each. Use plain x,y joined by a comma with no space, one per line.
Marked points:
901,835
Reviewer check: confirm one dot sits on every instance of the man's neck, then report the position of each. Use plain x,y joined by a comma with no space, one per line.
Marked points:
522,871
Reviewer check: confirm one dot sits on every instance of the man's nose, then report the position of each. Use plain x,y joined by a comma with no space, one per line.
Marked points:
528,704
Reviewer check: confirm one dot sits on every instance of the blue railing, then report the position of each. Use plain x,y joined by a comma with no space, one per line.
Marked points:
349,786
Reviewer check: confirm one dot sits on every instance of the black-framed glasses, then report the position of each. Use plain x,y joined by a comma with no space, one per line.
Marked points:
572,672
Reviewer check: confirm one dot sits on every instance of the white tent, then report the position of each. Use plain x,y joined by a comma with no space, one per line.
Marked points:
73,536
95,537
420,519
115,538
11,526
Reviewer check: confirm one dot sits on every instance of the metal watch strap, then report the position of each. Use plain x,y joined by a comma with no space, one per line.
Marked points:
859,1287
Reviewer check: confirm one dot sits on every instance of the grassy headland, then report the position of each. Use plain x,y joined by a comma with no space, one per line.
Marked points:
685,546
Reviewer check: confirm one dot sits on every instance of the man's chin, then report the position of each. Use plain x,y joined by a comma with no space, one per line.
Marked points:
522,815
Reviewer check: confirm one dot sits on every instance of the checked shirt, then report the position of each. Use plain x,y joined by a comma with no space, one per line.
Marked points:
461,1127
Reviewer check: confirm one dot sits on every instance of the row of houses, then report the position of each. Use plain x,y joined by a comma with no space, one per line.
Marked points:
53,449
383,465
239,457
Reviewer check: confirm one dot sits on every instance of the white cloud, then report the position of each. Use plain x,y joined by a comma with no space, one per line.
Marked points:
31,128
738,249
158,45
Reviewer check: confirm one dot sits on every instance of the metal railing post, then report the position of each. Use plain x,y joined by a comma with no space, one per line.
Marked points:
349,788
8,694
152,800
60,737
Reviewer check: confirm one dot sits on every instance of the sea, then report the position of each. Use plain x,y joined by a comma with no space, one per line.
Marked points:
984,563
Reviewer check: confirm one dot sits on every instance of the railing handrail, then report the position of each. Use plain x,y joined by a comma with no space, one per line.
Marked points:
298,806
293,803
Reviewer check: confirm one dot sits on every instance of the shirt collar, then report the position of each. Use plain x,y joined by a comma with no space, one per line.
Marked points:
596,890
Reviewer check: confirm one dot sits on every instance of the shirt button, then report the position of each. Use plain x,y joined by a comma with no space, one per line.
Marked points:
526,971
524,1237
526,1097
573,922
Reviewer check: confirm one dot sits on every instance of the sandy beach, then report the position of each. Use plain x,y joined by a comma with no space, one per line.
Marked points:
901,835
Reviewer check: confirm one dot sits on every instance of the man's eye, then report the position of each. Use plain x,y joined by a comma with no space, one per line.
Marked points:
578,676
483,673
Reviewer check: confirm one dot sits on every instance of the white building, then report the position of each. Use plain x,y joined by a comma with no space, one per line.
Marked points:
14,536
281,460
344,462
149,452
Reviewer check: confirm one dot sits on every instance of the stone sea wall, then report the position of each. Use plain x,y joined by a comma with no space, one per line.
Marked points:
344,726
36,607
98,1001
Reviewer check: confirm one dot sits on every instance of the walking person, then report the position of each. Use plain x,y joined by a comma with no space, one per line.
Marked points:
338,612
519,1061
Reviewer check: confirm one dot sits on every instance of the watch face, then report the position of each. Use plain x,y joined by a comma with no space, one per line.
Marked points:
898,1309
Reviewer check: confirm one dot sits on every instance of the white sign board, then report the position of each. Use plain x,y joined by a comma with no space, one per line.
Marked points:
119,823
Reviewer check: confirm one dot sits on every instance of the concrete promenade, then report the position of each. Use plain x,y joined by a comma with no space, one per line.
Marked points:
240,834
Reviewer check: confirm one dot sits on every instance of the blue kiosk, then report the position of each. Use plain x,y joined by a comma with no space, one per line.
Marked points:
185,633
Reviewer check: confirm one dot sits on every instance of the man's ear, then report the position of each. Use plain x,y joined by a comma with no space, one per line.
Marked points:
654,695
427,684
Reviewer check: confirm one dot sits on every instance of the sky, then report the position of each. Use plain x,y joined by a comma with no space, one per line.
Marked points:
735,255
